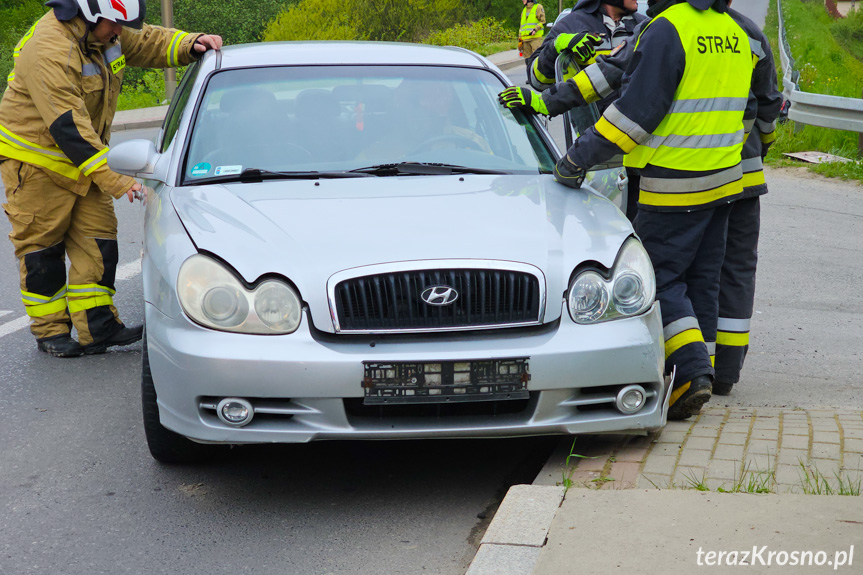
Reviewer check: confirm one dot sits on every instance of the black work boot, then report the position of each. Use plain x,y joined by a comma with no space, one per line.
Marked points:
722,387
124,336
687,399
60,346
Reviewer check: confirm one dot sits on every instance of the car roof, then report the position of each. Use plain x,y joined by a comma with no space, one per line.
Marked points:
346,53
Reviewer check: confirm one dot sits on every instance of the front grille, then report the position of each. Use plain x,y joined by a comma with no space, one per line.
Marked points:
392,301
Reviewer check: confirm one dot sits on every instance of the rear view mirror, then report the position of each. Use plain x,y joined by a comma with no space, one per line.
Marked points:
136,158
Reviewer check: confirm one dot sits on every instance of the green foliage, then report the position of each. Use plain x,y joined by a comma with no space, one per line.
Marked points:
16,16
848,32
508,11
476,36
148,92
236,21
377,20
312,20
826,68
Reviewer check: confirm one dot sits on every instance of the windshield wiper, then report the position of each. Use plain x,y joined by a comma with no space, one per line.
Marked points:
254,175
422,169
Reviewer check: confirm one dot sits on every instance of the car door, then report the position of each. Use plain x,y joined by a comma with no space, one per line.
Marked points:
609,178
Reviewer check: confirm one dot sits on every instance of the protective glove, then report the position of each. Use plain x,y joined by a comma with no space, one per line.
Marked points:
522,99
582,45
568,174
764,149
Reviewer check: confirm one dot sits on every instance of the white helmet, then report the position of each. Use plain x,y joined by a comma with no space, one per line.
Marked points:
126,12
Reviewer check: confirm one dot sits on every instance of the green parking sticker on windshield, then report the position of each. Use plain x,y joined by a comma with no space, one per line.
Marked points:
201,169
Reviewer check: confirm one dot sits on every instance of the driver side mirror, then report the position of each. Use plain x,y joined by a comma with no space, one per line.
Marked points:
136,158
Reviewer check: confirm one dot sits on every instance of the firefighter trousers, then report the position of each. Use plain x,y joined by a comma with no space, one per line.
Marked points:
737,288
50,223
687,250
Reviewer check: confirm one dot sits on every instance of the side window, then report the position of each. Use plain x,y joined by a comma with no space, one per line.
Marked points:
175,112
577,120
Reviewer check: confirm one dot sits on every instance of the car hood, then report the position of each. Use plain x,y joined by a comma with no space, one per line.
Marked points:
308,230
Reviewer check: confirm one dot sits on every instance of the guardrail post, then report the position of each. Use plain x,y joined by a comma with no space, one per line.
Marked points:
860,141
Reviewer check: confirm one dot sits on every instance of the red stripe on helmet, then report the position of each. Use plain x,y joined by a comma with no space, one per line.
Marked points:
120,7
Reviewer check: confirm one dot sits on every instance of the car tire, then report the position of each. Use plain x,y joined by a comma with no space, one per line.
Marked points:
165,445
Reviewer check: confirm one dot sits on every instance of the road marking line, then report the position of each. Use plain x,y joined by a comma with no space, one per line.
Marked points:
14,325
124,272
4,312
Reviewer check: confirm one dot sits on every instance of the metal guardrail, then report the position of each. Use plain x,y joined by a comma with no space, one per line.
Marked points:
815,109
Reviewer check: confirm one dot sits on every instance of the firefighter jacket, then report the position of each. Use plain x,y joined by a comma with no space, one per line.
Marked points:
598,81
768,102
587,16
532,22
603,77
59,106
680,115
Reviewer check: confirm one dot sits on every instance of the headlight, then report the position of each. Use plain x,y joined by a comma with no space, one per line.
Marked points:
630,291
588,297
212,296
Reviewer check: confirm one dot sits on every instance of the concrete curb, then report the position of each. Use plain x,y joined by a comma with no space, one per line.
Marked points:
139,119
512,543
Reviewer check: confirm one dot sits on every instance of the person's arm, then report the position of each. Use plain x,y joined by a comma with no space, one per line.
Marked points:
50,67
158,47
540,15
542,65
650,82
766,90
597,81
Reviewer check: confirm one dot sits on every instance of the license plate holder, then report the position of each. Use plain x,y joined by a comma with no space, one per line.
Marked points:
388,383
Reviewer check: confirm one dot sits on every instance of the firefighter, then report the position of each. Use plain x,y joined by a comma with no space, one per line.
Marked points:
737,282
530,31
55,123
593,27
680,120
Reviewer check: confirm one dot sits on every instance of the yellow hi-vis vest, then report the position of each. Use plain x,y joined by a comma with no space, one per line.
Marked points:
703,129
528,22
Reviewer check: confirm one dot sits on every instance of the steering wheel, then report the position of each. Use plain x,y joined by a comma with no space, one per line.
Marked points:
456,140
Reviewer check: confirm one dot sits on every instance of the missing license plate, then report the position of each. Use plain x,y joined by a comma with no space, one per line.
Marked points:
445,382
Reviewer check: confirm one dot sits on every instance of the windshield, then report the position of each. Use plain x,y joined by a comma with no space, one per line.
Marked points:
343,118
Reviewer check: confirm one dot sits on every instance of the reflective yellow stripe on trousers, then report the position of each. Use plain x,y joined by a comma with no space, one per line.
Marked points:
82,297
40,305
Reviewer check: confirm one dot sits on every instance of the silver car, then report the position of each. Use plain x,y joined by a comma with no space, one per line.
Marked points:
355,240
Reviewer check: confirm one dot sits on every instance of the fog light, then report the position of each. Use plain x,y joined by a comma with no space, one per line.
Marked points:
235,412
630,399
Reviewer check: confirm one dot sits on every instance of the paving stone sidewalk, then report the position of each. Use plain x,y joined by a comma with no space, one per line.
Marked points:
733,449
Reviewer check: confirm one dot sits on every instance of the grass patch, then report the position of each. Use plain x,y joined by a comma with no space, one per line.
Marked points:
566,480
815,483
826,67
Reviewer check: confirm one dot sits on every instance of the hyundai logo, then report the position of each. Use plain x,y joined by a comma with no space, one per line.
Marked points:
439,295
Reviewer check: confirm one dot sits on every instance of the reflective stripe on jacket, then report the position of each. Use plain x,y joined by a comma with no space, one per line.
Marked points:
529,22
59,106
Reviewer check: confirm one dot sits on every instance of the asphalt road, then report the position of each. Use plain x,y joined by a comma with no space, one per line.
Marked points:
81,495
754,9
